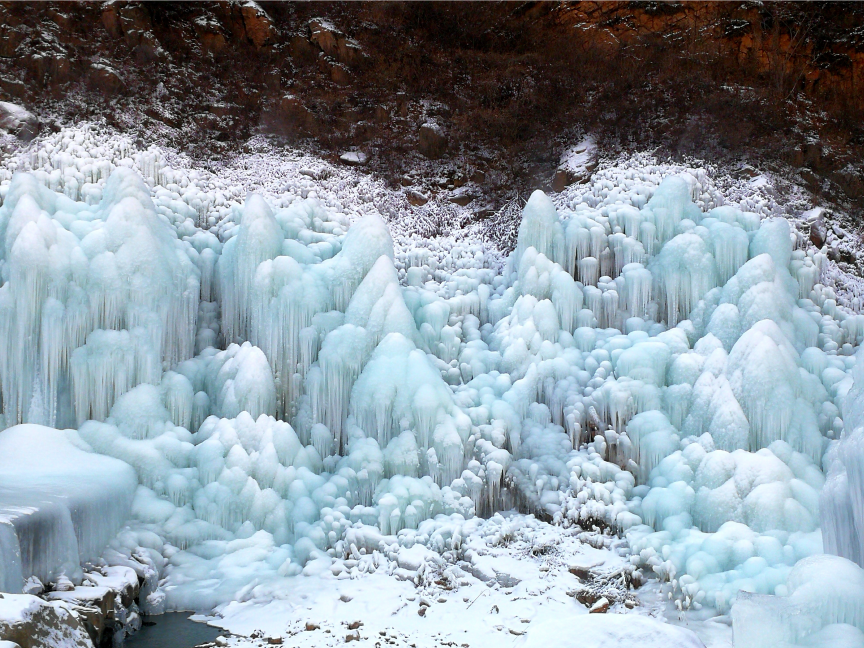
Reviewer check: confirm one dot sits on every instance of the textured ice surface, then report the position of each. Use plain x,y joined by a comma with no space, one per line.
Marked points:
296,375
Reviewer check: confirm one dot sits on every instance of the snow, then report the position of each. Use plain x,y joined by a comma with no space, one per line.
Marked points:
577,159
516,584
316,398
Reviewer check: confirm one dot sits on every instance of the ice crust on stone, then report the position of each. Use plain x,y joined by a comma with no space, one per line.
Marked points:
289,378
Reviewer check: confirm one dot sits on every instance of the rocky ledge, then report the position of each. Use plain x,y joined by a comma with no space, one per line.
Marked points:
99,613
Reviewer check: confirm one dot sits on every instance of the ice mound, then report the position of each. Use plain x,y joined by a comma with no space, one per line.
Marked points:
60,504
292,382
822,606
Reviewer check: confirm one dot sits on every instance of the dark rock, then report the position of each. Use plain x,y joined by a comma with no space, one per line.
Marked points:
818,232
13,87
111,19
290,115
433,140
10,39
257,24
850,181
105,79
333,42
559,180
813,155
382,115
134,17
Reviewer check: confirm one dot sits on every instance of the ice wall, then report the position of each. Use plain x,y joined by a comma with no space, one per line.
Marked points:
60,504
843,496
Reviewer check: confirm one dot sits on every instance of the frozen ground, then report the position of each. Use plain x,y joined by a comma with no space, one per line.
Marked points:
328,395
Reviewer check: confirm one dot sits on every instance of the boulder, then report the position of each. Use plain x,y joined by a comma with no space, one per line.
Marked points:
18,121
433,140
818,232
354,158
31,622
416,198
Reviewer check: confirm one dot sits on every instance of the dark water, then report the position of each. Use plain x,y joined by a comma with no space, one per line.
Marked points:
171,630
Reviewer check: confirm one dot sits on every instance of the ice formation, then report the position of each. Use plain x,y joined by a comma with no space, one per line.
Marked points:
59,505
290,384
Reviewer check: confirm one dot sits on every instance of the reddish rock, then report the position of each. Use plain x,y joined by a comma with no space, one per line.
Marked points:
257,24
333,42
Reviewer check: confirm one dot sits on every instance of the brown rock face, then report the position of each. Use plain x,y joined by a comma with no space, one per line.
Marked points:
257,24
333,42
502,81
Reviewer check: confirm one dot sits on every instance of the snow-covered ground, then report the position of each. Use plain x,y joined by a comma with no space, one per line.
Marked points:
516,581
334,401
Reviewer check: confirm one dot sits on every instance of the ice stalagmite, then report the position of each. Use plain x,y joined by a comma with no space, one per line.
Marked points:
95,299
